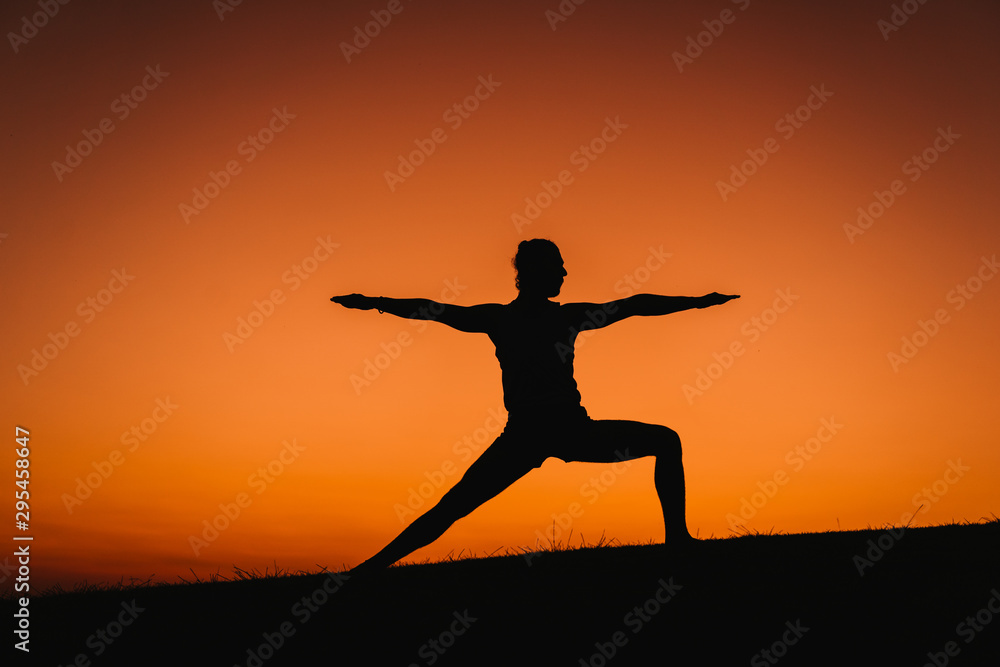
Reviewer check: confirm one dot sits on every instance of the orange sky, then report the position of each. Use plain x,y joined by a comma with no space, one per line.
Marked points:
245,172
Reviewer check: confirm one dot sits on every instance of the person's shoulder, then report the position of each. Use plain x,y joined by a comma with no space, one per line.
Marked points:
572,308
491,312
577,313
492,308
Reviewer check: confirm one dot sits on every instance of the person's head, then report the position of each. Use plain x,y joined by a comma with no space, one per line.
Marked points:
539,268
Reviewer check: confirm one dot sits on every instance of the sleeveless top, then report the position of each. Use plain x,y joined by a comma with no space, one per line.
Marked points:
534,345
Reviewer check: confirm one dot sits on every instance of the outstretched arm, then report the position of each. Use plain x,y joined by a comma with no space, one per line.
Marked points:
602,314
473,319
654,304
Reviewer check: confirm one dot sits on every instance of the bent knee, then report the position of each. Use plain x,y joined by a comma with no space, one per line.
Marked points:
656,441
670,442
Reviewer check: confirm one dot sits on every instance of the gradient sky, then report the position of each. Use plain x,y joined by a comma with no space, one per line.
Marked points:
288,136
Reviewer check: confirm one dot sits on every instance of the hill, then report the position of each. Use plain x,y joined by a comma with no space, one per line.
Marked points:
893,596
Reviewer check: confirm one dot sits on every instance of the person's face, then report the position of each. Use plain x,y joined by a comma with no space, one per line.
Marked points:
551,276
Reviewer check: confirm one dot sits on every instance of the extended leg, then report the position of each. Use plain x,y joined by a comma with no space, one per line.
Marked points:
493,472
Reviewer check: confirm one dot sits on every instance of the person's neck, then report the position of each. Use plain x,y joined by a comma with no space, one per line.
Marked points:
531,300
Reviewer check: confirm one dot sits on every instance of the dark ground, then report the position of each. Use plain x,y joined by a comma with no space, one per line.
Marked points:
799,597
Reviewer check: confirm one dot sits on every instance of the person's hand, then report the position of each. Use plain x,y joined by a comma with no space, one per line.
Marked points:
357,301
715,299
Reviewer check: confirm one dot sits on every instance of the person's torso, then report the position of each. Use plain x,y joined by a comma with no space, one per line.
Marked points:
535,349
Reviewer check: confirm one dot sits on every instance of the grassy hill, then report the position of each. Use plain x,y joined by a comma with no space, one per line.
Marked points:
873,597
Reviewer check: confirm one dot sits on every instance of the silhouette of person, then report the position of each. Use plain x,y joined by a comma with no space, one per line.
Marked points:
534,338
